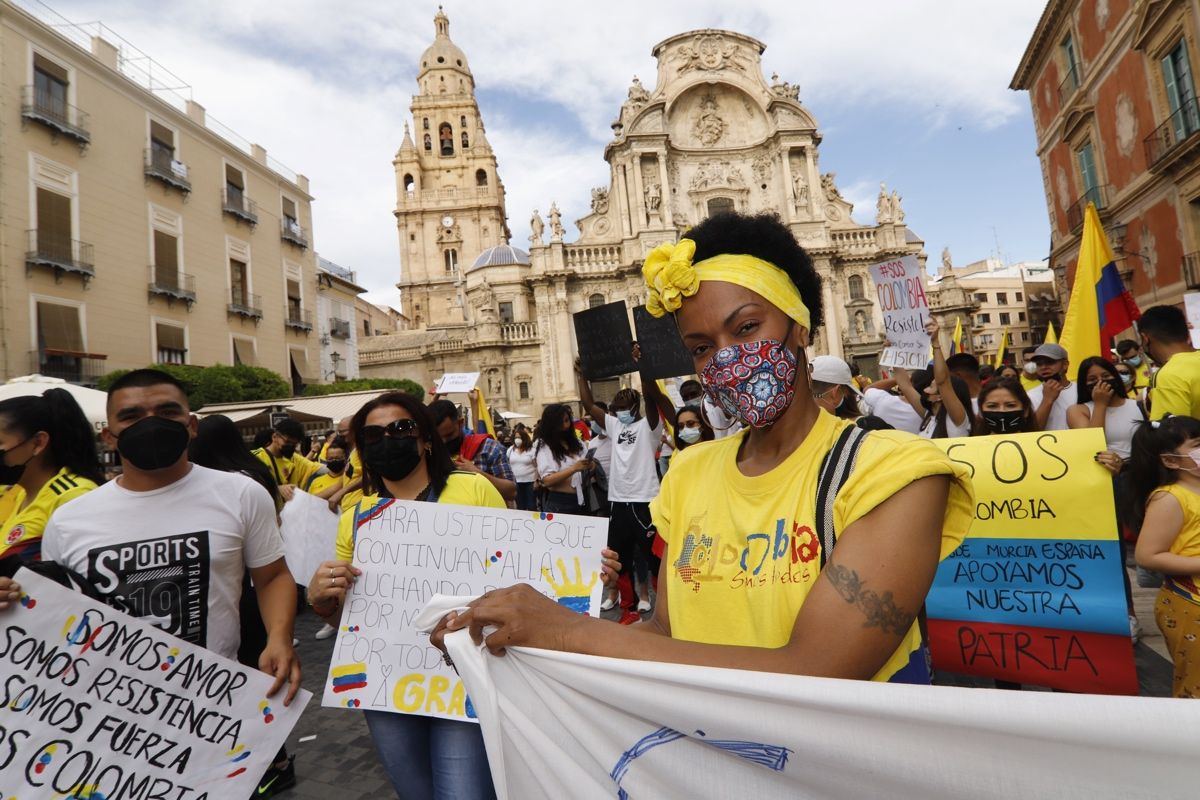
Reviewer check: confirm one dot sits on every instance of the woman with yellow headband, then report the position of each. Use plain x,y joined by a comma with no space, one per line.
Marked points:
746,582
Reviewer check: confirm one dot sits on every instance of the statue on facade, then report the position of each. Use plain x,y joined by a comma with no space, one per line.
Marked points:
600,200
860,323
637,93
653,196
783,88
947,263
800,190
709,125
538,228
827,186
883,205
897,211
556,227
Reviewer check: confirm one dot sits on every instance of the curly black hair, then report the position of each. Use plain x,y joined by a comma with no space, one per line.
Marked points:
762,236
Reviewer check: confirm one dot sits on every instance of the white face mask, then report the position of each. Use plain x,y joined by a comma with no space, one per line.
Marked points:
690,435
1193,456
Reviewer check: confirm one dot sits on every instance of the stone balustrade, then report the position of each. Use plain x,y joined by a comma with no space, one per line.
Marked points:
513,332
593,258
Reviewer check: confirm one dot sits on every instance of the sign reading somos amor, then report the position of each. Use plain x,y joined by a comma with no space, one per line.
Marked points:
1034,594
409,552
97,704
900,288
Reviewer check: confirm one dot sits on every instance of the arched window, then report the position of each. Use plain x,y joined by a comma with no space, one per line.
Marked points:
446,139
596,300
409,184
719,205
480,177
855,283
462,122
425,123
466,142
523,389
428,143
451,258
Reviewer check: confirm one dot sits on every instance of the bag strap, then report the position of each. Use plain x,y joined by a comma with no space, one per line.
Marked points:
835,471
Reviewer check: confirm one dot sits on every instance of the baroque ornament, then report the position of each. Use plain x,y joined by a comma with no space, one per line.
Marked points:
708,52
716,174
1126,125
709,127
600,200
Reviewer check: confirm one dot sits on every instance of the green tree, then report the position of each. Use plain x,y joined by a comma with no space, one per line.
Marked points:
364,384
218,383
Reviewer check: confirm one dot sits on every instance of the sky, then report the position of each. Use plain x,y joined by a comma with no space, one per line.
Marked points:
914,94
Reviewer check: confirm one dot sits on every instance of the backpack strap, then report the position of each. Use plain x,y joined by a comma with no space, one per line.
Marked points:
835,471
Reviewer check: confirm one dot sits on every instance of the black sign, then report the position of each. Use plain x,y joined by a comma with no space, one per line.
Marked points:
663,352
605,341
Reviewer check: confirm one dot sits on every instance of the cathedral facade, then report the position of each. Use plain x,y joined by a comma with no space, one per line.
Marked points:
712,134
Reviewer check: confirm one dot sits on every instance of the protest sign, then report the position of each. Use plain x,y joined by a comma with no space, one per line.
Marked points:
604,341
457,382
309,530
900,287
408,552
663,352
1191,308
100,704
1035,594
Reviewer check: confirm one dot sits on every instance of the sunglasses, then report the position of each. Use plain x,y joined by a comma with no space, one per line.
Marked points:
397,429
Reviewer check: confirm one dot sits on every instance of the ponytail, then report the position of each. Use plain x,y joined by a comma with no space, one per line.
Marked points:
1146,471
72,441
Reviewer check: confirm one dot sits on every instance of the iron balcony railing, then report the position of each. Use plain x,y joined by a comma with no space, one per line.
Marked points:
245,304
55,113
237,205
294,233
1191,270
1178,128
172,284
1069,85
85,369
1097,194
163,166
298,318
59,253
339,328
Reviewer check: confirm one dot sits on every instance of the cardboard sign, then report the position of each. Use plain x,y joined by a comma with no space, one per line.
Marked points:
409,552
1035,593
664,354
457,382
900,288
96,702
1191,308
309,531
604,341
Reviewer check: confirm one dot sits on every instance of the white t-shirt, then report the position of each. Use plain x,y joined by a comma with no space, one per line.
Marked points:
1120,422
952,431
634,476
1057,421
547,465
174,555
892,409
722,424
521,462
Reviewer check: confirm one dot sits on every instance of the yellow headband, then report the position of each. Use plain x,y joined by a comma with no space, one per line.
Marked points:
671,276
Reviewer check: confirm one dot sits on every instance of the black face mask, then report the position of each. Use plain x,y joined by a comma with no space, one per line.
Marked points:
1004,421
153,443
287,451
9,475
394,459
455,445
336,465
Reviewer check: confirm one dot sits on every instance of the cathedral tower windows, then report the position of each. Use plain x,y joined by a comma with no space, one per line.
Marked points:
465,141
428,143
409,184
462,122
480,176
425,123
446,139
855,283
450,257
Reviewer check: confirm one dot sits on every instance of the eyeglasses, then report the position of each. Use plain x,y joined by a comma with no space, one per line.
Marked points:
396,429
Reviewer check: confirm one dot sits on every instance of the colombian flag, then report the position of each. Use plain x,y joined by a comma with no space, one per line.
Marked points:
1095,316
1051,336
483,415
956,343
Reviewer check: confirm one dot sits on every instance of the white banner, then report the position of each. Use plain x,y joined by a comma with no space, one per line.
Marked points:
567,725
1191,308
309,531
457,382
408,553
900,287
96,703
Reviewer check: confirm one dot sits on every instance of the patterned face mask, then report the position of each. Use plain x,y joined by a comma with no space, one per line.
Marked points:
754,382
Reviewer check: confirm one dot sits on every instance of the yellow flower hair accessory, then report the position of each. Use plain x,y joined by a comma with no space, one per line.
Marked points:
670,276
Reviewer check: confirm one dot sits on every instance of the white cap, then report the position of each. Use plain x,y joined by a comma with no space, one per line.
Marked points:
831,369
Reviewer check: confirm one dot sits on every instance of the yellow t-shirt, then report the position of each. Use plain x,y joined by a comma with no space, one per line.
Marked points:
1187,543
462,489
1141,375
319,483
295,470
1175,389
10,500
22,529
742,553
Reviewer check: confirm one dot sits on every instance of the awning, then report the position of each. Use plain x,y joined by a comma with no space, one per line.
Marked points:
58,327
169,337
244,351
300,364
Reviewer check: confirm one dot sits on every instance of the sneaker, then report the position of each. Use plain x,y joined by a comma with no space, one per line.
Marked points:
608,604
1135,629
629,618
643,606
325,632
276,780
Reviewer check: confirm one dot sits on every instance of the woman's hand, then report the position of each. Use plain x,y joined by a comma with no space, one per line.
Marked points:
933,328
1110,461
330,583
522,616
610,566
10,590
1102,393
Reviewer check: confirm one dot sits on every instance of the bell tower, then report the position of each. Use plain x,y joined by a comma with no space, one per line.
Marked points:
449,197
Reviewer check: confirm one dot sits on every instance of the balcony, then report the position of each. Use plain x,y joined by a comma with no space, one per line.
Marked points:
60,254
1068,87
339,328
514,332
1191,270
56,114
163,167
292,232
1174,138
172,285
298,319
246,305
84,369
1097,194
240,207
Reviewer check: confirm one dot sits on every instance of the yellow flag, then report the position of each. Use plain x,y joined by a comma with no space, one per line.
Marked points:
957,342
1000,353
483,414
1051,336
1081,327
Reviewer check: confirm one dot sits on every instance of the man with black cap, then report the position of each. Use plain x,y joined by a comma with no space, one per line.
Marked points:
1051,399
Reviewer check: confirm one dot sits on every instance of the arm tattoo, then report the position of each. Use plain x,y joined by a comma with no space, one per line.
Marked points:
881,611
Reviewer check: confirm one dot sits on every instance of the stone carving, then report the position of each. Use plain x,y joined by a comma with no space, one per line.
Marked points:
860,323
556,227
947,262
897,211
1101,9
602,226
800,190
783,88
495,383
883,206
487,296
762,167
653,196
1127,126
832,213
708,52
709,126
538,228
680,221
717,173
637,93
600,200
828,186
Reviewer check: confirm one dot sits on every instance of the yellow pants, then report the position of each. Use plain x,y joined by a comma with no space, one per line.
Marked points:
1179,620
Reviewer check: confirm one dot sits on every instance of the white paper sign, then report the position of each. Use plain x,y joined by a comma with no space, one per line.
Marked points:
900,287
95,702
309,531
1191,307
457,382
408,553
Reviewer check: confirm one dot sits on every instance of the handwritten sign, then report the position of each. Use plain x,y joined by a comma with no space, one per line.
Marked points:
1034,594
309,530
457,382
409,552
604,341
1191,308
900,288
96,702
664,354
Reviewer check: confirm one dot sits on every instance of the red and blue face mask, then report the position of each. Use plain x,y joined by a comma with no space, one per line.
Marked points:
754,382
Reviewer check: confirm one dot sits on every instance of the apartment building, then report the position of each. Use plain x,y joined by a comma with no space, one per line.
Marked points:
133,229
337,292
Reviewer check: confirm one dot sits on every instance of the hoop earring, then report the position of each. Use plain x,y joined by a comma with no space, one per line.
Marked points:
708,422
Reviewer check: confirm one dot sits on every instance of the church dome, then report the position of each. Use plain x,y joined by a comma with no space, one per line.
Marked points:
443,53
501,255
